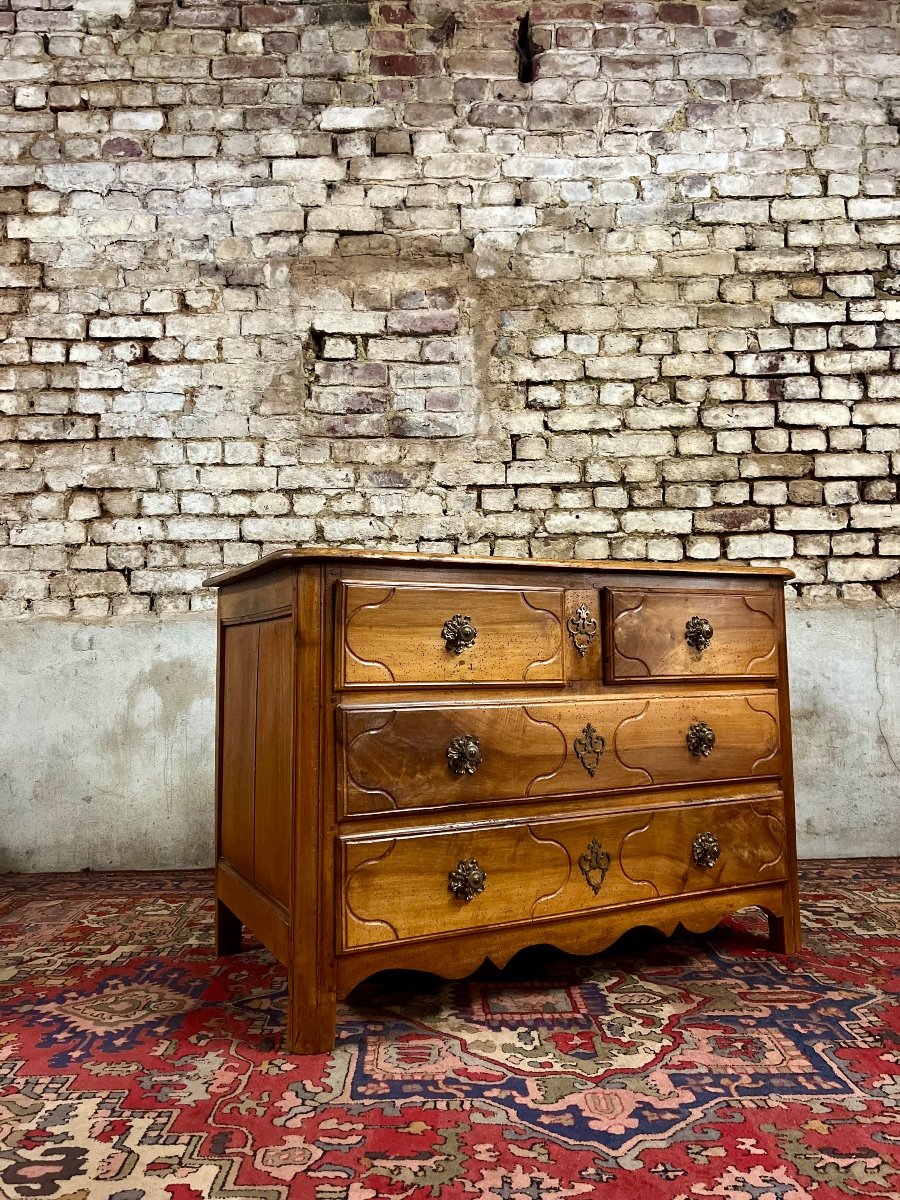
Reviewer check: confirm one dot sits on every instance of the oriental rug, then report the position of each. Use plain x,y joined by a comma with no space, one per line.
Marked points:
134,1066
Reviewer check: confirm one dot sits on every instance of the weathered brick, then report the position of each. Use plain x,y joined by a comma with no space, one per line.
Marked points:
809,312
282,273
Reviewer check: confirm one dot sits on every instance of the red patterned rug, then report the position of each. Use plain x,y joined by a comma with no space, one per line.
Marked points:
133,1066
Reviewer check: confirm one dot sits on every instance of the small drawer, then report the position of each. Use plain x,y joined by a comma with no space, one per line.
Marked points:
423,883
392,635
666,634
422,756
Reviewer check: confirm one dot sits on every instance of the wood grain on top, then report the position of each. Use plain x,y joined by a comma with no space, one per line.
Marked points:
278,558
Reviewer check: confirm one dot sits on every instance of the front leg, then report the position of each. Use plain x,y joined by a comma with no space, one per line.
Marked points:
228,931
785,935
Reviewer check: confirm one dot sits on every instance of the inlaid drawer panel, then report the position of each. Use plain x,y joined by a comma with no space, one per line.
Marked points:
425,756
435,882
666,634
392,635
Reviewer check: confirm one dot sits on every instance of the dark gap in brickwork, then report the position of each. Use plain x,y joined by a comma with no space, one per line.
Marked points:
784,20
525,50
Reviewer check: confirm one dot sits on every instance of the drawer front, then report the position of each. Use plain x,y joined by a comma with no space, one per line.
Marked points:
663,634
446,881
398,635
421,756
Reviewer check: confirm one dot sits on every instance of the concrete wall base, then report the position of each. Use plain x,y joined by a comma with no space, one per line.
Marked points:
106,739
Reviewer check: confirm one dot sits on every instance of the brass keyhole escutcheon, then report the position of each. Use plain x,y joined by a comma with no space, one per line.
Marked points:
589,748
583,629
459,633
594,864
467,879
698,633
700,739
464,754
705,850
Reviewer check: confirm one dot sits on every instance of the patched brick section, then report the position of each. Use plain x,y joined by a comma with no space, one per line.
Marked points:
399,370
329,273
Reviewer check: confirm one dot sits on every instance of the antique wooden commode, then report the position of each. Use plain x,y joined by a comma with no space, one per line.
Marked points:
423,761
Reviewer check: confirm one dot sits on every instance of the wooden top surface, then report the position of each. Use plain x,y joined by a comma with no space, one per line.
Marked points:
280,558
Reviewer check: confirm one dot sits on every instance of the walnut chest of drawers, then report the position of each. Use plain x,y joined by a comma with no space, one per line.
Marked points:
425,762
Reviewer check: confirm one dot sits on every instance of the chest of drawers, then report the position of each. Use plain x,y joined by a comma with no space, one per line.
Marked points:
425,762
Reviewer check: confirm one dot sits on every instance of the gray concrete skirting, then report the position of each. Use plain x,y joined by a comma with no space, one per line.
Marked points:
106,739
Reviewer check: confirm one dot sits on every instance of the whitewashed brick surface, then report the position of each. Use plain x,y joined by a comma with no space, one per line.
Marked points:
327,273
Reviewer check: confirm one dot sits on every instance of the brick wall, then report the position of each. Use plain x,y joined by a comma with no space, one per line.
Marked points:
288,273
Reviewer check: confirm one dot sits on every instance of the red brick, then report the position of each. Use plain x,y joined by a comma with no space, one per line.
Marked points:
575,37
280,43
851,12
404,65
395,14
610,37
239,66
442,402
629,14
121,147
206,18
490,14
548,11
389,41
422,322
679,14
269,16
395,89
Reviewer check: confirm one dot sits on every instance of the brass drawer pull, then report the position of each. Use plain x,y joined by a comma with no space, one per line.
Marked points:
700,739
459,633
583,629
698,633
464,754
705,850
467,879
589,748
594,864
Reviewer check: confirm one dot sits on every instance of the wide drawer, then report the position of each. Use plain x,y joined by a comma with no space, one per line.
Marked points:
433,755
667,634
401,634
420,884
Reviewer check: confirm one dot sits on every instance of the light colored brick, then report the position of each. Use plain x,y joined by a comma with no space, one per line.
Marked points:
126,327
761,545
809,312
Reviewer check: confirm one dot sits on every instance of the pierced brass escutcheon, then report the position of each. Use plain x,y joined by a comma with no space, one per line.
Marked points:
589,748
583,629
459,633
698,633
705,850
594,864
467,879
464,754
700,739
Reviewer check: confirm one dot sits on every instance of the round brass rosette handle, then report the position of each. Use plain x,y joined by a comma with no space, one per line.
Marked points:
705,850
700,739
459,633
698,633
464,754
467,879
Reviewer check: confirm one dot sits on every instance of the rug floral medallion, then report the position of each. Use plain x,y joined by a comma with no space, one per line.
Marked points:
135,1066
